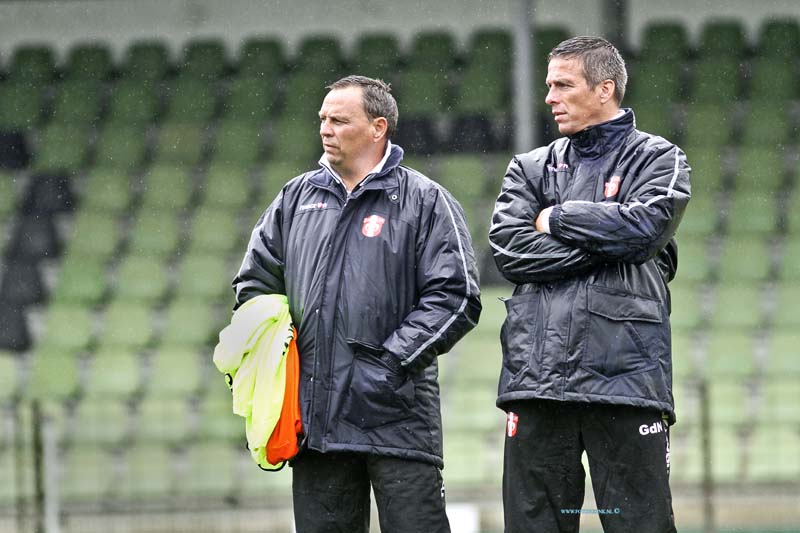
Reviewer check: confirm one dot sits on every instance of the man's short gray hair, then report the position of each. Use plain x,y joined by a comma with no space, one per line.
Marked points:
378,100
601,61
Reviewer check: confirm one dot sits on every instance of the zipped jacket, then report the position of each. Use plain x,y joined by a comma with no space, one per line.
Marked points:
380,282
589,317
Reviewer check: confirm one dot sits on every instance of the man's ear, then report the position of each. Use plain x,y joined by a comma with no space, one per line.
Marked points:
379,126
606,90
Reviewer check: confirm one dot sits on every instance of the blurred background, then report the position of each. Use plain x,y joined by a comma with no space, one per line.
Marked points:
141,140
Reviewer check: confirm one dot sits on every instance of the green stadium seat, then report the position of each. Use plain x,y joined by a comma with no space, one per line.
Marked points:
422,92
54,376
101,421
774,455
694,258
261,58
780,402
189,319
20,105
82,280
133,102
656,83
204,59
126,325
238,143
785,316
296,139
32,64
745,258
491,47
730,356
276,173
211,469
227,187
464,176
773,79
114,374
472,460
204,275
68,327
141,279
272,485
738,307
10,377
760,170
752,213
88,61
214,231
77,103
303,96
55,155
701,217
684,453
716,80
180,144
146,60
176,371
726,454
688,310
722,38
376,55
779,38
707,126
477,95
190,101
728,402
155,233
148,472
664,41
165,420
684,366
320,54
432,50
166,187
107,189
120,147
789,264
216,418
249,99
655,117
768,126
94,233
8,195
543,40
87,475
708,166
782,360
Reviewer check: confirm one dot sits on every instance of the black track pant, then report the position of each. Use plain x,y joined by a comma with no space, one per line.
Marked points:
543,478
331,494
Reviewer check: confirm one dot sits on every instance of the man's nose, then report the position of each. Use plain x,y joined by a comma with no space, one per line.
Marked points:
550,99
325,129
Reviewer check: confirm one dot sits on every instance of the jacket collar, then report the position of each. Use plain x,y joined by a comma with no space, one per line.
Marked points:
599,139
326,178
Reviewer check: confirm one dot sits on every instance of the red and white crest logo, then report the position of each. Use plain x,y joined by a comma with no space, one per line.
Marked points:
612,187
372,226
511,424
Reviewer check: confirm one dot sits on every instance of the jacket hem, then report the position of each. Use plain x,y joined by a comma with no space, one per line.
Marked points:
386,451
504,399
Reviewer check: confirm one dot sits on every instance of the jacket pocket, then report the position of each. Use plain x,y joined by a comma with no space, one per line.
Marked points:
624,332
371,400
519,332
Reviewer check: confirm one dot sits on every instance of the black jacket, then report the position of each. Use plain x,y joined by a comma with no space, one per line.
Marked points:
589,318
379,284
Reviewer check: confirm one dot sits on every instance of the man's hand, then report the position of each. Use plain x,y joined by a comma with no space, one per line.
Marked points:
543,220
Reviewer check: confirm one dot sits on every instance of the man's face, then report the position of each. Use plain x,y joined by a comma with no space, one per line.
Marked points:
346,130
575,105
